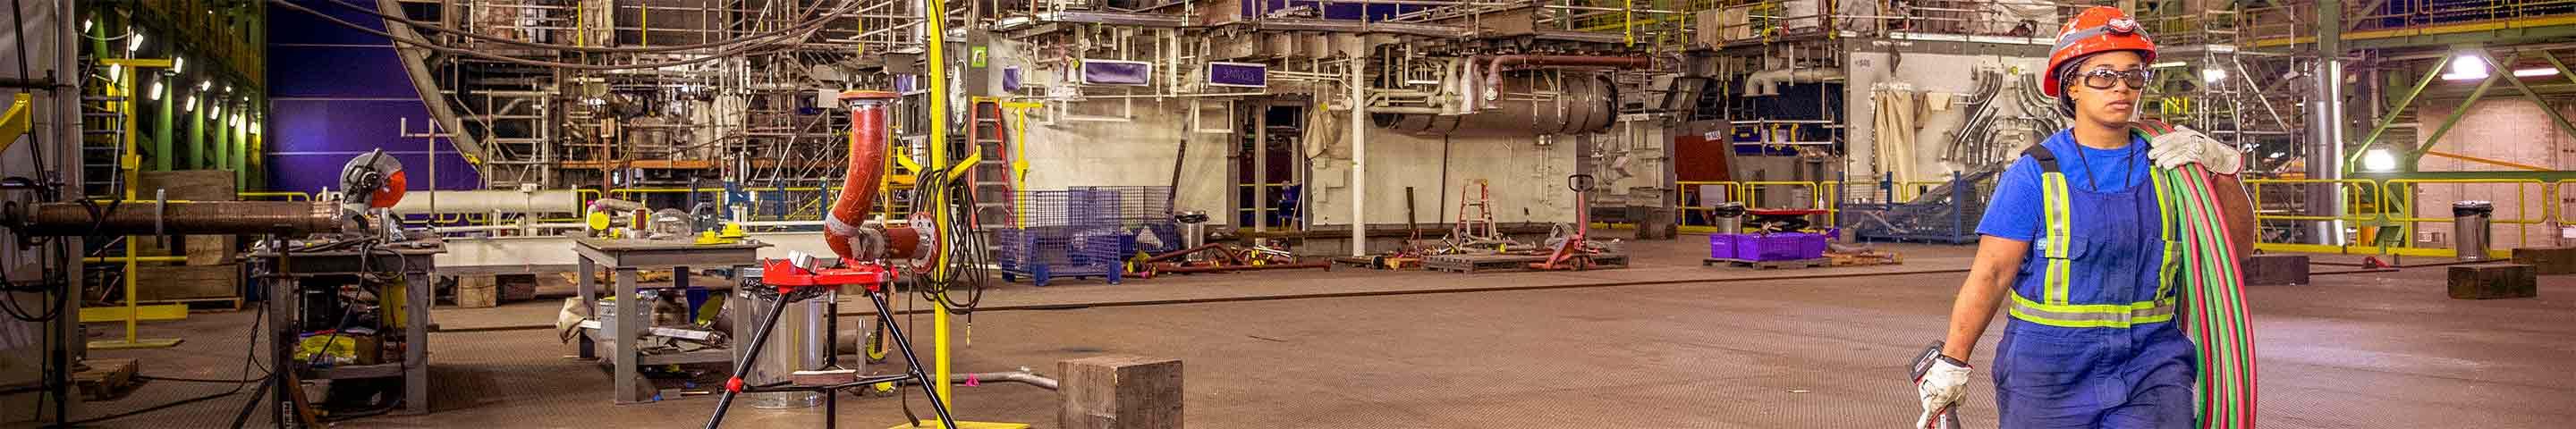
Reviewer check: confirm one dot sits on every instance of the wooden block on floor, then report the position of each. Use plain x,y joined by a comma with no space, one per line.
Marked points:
2547,260
1120,392
2276,269
2494,281
516,287
190,282
477,292
105,379
822,377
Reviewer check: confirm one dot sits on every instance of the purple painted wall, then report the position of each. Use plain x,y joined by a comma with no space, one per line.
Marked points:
335,93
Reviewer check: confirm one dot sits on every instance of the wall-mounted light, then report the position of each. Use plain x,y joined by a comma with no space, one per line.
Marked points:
134,41
155,94
85,24
205,84
215,109
2213,75
190,106
115,72
2535,72
2378,159
178,64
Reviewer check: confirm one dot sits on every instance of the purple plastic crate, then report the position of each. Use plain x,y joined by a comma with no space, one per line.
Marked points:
1722,246
1787,246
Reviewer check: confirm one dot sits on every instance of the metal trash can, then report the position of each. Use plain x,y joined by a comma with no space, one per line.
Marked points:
2469,233
797,344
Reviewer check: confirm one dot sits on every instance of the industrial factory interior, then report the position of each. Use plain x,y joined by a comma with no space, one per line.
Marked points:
1157,214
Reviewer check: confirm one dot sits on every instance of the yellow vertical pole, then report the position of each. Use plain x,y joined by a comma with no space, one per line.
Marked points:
126,164
937,55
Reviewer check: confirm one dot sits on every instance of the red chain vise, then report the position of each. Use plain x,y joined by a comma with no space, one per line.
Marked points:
788,277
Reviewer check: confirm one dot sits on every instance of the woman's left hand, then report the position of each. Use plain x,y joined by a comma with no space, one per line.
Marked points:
2187,146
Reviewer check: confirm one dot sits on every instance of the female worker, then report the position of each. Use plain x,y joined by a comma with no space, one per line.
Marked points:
2073,242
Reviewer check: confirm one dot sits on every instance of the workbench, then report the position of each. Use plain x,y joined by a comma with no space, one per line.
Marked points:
413,261
624,259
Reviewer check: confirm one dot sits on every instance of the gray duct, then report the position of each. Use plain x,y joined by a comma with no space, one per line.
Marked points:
1532,104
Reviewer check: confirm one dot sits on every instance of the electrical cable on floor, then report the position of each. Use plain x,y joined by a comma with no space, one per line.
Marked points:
250,354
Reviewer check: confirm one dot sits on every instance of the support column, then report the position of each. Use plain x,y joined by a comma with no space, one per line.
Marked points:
161,137
223,136
2326,153
240,149
196,134
1359,153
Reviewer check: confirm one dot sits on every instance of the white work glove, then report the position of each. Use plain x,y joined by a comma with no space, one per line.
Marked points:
1941,388
2187,146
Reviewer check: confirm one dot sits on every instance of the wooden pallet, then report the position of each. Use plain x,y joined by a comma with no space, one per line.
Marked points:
1477,263
1795,263
1378,262
105,379
1864,259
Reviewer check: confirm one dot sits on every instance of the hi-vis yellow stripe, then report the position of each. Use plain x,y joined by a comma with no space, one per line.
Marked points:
2165,214
2092,315
2058,241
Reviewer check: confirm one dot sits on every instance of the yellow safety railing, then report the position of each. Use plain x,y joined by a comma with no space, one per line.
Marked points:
2357,191
2529,196
1695,200
2529,202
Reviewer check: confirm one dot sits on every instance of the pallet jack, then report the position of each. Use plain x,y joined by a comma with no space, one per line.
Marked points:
789,283
1572,253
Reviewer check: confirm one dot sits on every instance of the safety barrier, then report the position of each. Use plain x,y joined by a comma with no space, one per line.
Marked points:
2390,202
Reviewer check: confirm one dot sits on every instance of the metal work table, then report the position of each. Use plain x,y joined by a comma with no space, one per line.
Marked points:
625,258
415,262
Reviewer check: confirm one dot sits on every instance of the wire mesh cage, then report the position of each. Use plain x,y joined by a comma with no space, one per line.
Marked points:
1042,254
1142,212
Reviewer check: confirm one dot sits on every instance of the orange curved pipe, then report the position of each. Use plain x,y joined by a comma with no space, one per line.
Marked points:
867,168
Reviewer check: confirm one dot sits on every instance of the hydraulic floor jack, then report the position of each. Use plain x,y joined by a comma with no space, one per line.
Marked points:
1572,254
791,283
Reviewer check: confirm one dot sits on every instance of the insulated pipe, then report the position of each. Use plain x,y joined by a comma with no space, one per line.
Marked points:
177,218
1494,71
867,167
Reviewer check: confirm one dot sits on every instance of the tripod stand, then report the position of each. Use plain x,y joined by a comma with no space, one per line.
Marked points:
791,284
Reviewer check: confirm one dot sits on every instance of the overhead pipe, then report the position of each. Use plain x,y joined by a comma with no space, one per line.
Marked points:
1495,66
1767,82
866,168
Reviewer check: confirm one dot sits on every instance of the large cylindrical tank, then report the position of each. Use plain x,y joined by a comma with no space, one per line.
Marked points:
1532,103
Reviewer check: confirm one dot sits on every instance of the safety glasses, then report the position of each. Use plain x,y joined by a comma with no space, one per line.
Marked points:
2104,78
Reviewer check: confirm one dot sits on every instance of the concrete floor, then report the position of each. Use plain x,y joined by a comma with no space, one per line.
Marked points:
1670,344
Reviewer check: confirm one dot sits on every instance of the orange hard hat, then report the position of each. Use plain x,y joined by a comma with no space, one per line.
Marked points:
2096,30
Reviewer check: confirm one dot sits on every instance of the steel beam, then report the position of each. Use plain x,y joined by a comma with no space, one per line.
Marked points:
2396,110
2417,155
2498,69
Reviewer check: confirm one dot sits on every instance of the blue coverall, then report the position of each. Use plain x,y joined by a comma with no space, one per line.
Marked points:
2138,376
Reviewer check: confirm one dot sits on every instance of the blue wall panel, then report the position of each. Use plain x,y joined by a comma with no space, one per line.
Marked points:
336,93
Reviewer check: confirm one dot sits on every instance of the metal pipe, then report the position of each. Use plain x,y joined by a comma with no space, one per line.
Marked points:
867,167
1327,265
189,218
1183,252
1359,155
505,227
